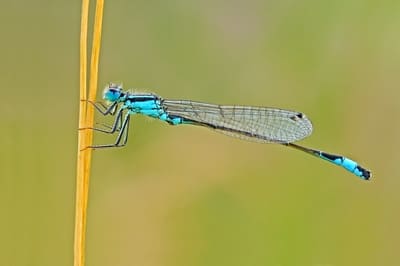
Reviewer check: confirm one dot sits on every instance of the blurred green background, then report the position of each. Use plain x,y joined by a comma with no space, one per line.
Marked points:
186,195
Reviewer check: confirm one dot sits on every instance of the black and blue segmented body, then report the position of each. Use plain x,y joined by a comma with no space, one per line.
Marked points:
259,124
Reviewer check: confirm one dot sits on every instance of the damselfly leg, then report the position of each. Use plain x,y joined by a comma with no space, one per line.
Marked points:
122,134
104,109
120,124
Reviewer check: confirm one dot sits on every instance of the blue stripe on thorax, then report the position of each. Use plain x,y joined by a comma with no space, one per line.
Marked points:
149,105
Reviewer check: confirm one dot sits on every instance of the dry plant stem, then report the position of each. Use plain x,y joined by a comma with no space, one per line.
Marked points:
79,237
86,118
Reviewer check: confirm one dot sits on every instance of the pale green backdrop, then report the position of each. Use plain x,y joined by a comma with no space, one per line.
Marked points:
186,195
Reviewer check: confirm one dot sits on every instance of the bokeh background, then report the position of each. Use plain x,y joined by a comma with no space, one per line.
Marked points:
186,195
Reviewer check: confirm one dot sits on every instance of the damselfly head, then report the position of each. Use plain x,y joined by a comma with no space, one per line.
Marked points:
112,92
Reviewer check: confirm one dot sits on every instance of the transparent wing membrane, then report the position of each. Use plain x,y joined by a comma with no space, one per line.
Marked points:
260,124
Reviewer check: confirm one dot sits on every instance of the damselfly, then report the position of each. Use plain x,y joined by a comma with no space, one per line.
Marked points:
259,124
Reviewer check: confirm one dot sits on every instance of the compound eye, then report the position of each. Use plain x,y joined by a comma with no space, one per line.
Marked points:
112,94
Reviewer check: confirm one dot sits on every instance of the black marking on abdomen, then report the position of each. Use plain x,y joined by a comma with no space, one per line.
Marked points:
365,173
331,157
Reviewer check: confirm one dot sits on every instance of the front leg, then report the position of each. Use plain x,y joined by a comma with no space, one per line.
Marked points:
117,125
104,109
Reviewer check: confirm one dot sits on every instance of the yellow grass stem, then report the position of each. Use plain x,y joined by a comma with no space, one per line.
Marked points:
86,119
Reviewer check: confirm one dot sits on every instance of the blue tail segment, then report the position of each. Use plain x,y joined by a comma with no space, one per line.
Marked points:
346,163
259,124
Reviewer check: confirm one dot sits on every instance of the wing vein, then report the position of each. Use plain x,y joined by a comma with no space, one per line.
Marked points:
260,124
